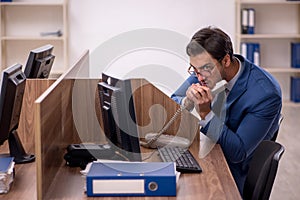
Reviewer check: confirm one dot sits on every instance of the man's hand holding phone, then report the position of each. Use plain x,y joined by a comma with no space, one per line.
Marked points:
201,97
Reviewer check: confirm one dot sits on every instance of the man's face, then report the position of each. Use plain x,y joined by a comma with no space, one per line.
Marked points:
207,69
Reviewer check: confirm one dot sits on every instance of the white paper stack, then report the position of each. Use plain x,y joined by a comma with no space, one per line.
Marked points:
6,173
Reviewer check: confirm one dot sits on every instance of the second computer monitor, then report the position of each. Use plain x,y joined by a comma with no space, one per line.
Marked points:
39,62
118,115
11,98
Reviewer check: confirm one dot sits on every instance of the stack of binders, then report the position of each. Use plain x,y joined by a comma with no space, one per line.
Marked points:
6,173
248,21
251,51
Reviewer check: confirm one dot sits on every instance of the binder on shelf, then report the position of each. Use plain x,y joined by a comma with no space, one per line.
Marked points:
251,21
295,89
248,21
251,51
244,21
256,54
244,49
131,179
295,55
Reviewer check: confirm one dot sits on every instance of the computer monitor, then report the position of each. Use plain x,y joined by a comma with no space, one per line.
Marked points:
11,96
118,115
39,62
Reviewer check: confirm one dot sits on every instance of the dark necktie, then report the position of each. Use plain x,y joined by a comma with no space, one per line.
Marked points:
227,91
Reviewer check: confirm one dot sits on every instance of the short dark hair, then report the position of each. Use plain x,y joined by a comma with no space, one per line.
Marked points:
215,41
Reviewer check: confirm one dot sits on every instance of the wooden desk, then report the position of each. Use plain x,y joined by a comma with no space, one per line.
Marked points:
215,182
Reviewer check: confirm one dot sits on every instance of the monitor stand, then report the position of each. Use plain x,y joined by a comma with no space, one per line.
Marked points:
17,150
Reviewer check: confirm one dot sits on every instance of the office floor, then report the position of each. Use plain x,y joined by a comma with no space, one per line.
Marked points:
287,182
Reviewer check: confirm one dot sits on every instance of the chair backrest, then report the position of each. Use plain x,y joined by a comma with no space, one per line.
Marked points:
262,170
276,133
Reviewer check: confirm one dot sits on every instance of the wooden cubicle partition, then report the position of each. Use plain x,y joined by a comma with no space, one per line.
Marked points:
56,125
56,128
25,174
26,132
154,110
33,89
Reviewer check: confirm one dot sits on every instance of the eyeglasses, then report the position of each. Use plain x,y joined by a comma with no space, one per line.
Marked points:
205,70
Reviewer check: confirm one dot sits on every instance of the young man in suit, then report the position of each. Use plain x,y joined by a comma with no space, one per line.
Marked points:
251,106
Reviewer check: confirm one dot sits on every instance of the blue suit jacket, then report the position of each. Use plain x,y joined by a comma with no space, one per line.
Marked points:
253,108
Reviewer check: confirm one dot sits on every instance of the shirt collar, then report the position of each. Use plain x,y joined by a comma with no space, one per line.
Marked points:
231,83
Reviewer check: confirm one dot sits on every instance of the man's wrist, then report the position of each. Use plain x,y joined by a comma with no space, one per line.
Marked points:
204,121
203,114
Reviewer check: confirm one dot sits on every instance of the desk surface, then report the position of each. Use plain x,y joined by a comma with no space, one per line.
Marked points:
215,182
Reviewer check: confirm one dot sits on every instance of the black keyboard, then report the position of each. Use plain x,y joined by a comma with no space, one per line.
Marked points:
185,161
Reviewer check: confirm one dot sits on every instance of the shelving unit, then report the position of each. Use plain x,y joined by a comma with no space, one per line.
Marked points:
277,24
22,23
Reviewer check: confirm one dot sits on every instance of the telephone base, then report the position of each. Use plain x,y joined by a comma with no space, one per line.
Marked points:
167,140
79,155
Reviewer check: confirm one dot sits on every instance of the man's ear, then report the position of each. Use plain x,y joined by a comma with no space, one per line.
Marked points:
226,61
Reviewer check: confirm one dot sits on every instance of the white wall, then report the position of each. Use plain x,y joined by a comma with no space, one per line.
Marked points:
93,24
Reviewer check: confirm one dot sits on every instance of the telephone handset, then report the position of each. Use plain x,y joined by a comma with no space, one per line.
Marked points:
154,140
220,86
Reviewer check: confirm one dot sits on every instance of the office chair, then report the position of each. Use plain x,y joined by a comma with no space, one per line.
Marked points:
276,133
262,170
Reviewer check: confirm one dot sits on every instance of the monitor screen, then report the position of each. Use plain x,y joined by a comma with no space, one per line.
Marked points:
118,115
39,62
11,97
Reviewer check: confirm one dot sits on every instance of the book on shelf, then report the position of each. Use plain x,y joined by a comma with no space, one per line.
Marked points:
248,21
251,51
6,173
251,21
244,21
295,89
295,54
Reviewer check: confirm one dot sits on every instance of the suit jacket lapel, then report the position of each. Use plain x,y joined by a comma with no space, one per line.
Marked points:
241,84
